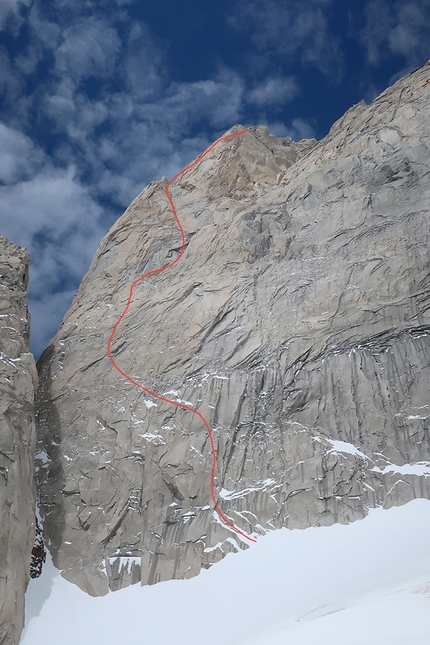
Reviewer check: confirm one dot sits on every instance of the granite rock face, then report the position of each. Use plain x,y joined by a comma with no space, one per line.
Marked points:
18,380
297,322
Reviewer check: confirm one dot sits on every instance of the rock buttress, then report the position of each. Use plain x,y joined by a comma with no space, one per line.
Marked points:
17,441
297,322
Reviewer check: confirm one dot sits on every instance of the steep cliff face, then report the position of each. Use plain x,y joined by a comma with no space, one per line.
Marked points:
297,322
18,379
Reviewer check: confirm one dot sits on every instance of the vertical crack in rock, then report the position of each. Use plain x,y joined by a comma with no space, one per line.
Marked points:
297,322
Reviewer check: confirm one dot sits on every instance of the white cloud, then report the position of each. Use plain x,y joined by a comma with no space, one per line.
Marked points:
297,130
411,32
217,101
89,48
294,30
399,28
141,140
10,9
43,31
143,66
27,62
300,129
273,91
87,6
51,202
18,155
57,220
56,217
12,89
43,35
74,115
61,106
104,145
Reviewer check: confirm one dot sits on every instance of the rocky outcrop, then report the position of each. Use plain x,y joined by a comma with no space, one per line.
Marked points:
18,379
297,322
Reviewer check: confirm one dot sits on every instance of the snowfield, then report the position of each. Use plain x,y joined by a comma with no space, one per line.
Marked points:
367,583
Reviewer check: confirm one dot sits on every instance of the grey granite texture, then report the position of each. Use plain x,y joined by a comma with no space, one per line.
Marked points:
18,380
297,322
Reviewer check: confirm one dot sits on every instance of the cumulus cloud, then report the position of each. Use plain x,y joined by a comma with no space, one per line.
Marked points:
54,217
88,48
105,119
273,91
298,129
151,139
52,203
294,30
124,140
11,89
399,28
217,100
18,155
98,146
9,10
47,210
43,31
143,66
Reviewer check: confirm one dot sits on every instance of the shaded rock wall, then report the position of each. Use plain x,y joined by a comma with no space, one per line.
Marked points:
18,379
297,322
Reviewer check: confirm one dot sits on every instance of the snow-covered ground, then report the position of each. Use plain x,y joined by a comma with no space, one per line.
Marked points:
363,584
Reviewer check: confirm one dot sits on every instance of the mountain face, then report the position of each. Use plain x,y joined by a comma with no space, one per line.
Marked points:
297,322
18,379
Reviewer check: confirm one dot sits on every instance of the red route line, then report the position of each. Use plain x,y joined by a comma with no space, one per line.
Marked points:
157,396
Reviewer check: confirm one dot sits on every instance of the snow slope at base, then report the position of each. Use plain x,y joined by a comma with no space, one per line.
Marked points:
391,617
368,582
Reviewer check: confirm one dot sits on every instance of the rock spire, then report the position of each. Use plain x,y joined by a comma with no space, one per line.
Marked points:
18,379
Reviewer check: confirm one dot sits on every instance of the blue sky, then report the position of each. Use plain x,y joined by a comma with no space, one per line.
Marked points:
100,97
